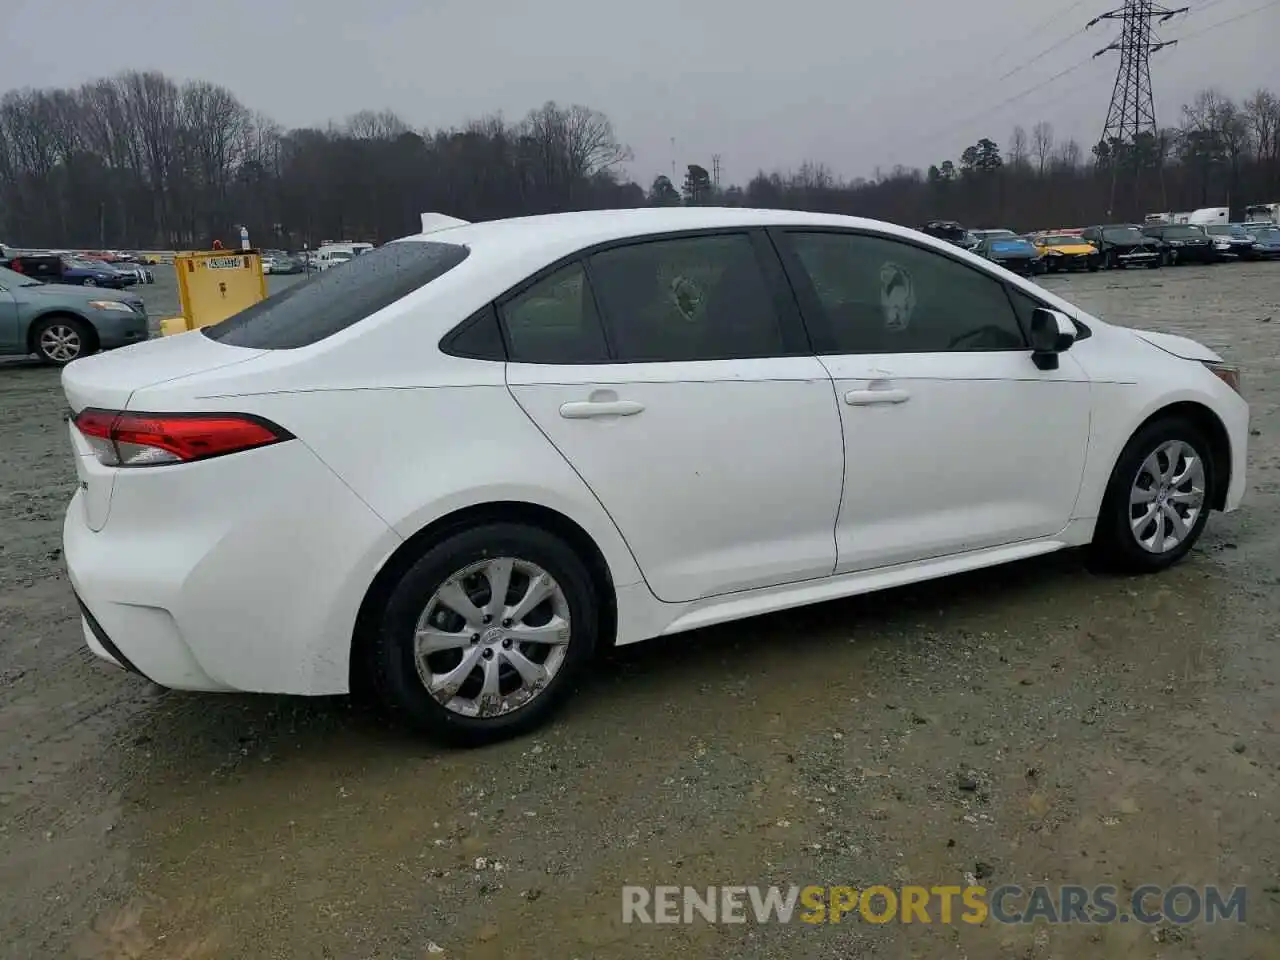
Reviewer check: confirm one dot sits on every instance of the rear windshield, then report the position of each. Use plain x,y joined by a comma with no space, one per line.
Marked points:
333,300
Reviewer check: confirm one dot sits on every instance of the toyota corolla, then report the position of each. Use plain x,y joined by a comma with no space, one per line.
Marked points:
469,459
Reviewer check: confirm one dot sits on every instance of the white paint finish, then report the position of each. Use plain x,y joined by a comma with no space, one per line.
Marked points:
1183,347
727,609
252,566
728,478
977,449
258,562
1132,380
93,496
108,379
417,455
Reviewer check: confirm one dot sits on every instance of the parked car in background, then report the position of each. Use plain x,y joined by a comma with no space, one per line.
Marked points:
952,232
140,272
279,261
1266,242
1067,251
94,273
990,233
38,266
1231,241
1012,252
1124,245
1183,243
335,254
60,323
605,359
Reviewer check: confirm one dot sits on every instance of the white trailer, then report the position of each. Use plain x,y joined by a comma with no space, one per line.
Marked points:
1207,216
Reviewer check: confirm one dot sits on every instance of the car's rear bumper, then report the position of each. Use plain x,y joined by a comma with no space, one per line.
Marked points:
240,573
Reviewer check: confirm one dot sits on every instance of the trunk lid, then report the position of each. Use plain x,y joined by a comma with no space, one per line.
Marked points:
110,379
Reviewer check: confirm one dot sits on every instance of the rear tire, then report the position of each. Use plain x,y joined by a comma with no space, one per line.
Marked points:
491,684
1167,467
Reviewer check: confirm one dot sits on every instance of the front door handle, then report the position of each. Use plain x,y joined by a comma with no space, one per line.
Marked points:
866,398
586,409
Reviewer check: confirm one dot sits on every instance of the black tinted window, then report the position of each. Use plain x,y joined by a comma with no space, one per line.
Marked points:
695,298
883,296
335,299
555,321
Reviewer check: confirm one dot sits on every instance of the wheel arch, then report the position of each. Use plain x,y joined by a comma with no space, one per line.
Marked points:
507,511
1215,432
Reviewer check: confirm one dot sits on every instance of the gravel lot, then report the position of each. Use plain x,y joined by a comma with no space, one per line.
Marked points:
1028,724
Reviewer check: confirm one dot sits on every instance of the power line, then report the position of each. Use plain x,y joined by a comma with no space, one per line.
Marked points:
1048,22
1223,23
1013,99
1030,60
981,81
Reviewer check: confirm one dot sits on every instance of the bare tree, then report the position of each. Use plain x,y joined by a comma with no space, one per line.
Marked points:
139,160
1018,148
1042,144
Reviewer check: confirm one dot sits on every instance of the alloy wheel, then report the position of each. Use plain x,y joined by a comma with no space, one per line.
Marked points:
1167,496
60,343
492,637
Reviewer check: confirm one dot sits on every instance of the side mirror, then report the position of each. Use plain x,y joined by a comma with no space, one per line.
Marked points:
1052,332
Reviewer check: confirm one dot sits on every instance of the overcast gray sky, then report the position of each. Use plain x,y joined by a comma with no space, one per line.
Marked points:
850,83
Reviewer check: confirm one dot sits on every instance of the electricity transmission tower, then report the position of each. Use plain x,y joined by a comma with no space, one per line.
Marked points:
1131,117
715,171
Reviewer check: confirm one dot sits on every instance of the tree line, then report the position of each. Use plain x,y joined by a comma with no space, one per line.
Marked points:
142,161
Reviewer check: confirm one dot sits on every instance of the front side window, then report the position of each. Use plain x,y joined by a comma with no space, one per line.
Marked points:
691,298
555,321
884,296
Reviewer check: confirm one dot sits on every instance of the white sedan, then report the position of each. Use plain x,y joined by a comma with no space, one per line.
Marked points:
469,459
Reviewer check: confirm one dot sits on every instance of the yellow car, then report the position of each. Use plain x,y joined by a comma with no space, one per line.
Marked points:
1067,251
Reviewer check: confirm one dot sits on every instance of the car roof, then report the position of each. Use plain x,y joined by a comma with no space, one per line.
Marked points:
566,232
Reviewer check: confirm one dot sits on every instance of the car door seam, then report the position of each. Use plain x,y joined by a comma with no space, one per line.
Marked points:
844,465
583,480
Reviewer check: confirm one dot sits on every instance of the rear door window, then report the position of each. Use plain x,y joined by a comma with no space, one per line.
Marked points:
331,301
692,298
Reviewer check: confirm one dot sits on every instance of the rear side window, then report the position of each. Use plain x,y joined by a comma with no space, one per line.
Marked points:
555,321
333,300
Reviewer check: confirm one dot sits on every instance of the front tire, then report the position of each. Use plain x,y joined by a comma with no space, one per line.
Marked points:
59,340
1158,498
486,635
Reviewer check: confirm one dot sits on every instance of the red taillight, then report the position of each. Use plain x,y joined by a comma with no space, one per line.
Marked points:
124,439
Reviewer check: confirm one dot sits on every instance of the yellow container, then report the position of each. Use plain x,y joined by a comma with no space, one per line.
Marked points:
213,285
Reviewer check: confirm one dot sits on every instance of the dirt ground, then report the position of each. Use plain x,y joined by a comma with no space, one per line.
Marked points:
1028,724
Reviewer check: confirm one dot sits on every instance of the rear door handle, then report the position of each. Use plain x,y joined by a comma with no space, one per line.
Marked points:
867,398
586,409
